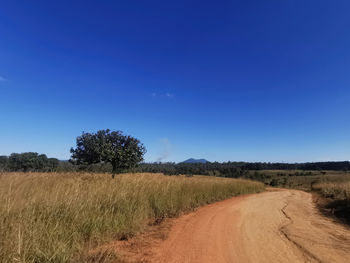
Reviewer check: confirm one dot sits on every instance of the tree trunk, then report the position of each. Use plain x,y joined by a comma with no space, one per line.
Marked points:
114,170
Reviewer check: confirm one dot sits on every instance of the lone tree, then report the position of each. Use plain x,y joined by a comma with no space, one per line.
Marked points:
105,146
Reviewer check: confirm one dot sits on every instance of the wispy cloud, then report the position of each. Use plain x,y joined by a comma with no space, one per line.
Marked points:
2,78
164,95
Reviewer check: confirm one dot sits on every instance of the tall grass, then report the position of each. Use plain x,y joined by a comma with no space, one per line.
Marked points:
334,186
59,217
336,190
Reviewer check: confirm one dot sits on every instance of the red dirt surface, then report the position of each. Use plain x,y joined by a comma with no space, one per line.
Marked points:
275,226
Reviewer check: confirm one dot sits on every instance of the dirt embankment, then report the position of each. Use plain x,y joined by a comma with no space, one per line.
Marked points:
275,226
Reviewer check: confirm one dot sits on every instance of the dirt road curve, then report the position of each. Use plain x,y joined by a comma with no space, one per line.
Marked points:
276,226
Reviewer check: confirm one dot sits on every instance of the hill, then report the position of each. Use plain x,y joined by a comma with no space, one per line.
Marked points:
191,160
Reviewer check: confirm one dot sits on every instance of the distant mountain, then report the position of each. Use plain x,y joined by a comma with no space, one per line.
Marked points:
191,160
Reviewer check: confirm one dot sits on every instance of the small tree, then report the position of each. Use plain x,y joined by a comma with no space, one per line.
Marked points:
105,146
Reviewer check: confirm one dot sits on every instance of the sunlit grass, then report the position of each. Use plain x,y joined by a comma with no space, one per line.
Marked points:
59,217
337,190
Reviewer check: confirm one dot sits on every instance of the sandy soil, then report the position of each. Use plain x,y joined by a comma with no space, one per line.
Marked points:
275,226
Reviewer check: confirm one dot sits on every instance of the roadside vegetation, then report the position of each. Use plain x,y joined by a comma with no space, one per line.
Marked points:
339,190
297,179
49,217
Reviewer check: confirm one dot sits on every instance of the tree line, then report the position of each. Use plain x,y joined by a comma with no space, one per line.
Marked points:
237,169
40,163
114,152
28,162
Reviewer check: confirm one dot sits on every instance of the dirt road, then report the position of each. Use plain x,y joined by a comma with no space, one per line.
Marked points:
275,226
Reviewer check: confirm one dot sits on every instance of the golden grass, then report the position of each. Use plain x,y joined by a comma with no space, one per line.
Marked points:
59,217
337,190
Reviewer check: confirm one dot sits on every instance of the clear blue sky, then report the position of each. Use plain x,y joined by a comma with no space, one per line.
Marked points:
221,80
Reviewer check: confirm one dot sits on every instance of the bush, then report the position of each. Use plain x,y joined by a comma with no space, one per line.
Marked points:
28,162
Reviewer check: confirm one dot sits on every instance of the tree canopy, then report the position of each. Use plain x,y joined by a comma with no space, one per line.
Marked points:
106,146
28,162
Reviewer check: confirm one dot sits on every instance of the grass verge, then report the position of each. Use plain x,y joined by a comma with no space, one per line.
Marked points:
59,217
336,190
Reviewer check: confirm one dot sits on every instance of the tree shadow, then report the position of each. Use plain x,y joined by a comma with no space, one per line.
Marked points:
339,209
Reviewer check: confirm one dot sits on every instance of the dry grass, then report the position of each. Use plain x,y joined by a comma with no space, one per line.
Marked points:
59,217
336,190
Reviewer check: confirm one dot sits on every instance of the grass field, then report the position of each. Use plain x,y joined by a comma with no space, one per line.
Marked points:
60,217
297,179
339,190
